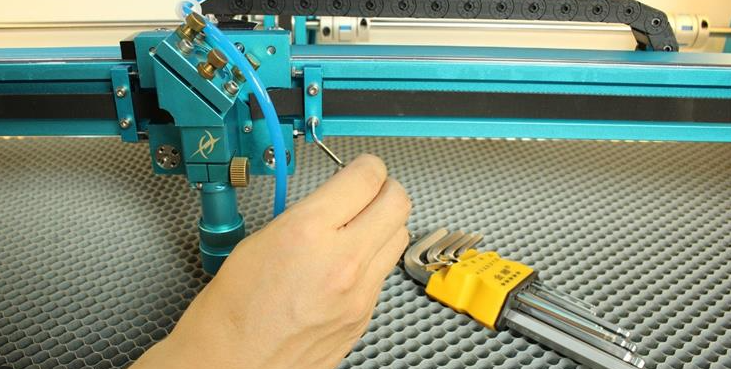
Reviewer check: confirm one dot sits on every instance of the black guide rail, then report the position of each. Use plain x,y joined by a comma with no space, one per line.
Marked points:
650,26
368,103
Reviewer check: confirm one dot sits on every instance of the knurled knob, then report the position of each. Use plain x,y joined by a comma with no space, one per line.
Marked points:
239,172
215,60
196,22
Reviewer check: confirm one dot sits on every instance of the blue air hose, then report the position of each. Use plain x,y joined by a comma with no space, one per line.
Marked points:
267,106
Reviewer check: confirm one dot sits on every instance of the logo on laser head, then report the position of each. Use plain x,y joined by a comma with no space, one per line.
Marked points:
206,145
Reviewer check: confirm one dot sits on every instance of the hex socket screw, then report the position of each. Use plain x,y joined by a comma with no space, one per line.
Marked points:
120,92
313,89
231,87
185,46
125,123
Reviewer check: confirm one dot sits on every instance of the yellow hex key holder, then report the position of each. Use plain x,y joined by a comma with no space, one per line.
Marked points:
503,294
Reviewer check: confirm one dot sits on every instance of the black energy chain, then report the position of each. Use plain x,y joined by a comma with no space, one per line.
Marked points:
649,25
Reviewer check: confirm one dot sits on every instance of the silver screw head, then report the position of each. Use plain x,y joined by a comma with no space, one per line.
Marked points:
212,18
125,123
247,129
313,121
269,160
231,87
120,92
199,186
313,89
185,46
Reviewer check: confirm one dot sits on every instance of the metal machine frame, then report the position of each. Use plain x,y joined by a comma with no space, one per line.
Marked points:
205,118
151,90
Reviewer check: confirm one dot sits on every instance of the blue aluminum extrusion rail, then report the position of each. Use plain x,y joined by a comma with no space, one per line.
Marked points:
206,117
59,71
428,68
521,71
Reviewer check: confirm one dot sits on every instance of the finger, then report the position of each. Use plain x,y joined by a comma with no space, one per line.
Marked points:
378,222
343,196
387,258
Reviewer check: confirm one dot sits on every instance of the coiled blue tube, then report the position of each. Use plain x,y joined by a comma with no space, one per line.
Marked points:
220,40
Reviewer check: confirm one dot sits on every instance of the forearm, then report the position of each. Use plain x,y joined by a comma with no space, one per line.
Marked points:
300,292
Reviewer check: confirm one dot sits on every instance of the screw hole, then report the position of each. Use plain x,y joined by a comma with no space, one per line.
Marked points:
468,6
668,48
533,8
597,10
272,4
337,4
501,7
435,6
240,47
403,5
364,22
628,11
704,24
656,22
271,50
326,31
370,5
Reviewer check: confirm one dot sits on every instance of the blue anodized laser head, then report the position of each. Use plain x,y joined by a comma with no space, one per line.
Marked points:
213,140
195,86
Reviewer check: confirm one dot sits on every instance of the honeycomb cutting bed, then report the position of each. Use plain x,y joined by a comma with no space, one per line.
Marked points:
98,257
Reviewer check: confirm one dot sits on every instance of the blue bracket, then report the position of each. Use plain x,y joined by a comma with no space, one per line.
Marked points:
270,22
313,90
122,91
300,30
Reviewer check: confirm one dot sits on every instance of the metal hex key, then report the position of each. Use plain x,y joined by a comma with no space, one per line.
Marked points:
553,318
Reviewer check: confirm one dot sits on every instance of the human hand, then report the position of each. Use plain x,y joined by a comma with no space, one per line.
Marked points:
300,292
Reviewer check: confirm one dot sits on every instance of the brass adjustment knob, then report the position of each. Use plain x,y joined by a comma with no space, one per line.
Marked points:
194,24
239,171
238,74
255,63
216,60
